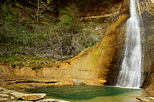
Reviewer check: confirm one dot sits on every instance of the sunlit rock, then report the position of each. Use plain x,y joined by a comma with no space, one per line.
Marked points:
32,96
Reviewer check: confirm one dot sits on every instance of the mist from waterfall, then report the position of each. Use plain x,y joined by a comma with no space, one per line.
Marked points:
130,73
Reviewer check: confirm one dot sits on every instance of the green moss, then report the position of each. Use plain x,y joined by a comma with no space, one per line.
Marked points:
26,60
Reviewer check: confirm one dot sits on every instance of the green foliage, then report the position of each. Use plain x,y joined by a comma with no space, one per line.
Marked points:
48,1
69,20
8,22
16,60
7,14
16,33
60,40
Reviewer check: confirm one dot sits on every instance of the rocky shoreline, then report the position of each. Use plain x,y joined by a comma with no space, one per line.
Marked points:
7,95
14,96
12,89
20,79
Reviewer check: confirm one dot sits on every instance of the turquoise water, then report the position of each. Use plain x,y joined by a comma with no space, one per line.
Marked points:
90,93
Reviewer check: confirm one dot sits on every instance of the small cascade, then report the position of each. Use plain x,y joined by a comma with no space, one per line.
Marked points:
130,74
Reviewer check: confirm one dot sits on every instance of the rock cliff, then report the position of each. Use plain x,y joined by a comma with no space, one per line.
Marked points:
147,9
100,64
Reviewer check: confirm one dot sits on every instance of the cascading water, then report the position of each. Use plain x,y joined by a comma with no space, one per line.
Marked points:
130,74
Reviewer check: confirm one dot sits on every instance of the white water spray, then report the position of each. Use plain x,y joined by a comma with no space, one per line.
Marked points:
130,74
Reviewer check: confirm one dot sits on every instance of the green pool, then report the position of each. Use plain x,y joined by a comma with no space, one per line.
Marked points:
90,93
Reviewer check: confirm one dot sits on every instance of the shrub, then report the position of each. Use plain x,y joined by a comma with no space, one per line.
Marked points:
69,20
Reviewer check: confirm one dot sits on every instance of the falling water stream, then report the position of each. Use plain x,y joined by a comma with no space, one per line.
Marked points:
130,74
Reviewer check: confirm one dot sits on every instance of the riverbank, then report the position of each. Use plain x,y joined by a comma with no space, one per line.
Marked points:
14,96
7,95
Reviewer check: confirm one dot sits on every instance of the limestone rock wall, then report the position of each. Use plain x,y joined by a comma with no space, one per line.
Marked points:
147,10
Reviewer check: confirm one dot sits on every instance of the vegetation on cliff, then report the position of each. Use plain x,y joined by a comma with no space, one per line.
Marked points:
41,28
34,62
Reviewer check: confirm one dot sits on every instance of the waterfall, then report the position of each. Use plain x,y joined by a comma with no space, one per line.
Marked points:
130,74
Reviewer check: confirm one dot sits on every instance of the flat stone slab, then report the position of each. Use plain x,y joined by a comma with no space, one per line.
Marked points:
145,99
4,95
4,99
24,96
14,95
32,96
4,91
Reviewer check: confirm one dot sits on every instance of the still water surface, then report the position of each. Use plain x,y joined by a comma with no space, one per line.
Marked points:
90,93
